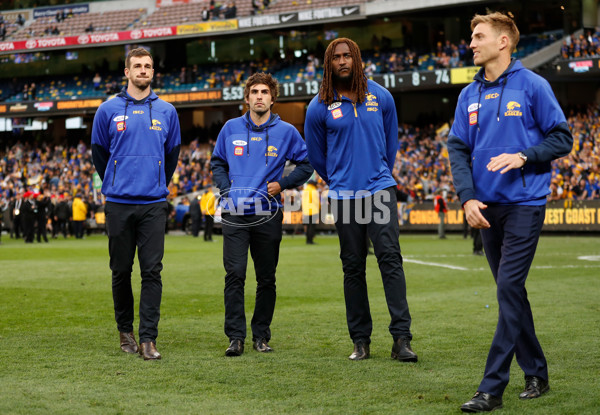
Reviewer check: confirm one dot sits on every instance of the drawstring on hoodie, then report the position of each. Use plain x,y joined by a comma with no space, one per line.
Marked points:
478,106
250,124
500,100
503,82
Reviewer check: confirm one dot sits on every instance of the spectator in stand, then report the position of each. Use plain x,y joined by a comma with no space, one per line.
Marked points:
230,11
97,80
205,14
89,28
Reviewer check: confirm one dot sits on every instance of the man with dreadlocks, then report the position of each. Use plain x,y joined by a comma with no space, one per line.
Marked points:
352,138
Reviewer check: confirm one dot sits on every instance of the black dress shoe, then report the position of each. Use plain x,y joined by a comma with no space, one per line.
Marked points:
261,345
361,351
236,348
401,351
534,387
482,402
128,343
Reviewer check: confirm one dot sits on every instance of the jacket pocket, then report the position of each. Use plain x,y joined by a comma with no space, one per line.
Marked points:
137,177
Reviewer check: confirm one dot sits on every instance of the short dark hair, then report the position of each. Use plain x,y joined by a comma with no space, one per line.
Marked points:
137,53
263,78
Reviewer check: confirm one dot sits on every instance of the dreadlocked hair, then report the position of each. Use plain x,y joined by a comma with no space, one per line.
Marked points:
358,82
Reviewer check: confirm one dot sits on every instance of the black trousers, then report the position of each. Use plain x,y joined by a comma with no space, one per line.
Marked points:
376,217
263,237
208,227
142,226
196,224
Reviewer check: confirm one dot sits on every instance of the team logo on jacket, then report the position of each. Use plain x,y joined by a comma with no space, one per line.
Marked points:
271,151
120,118
156,125
492,96
256,139
334,106
371,102
238,151
138,112
337,113
513,109
121,126
239,143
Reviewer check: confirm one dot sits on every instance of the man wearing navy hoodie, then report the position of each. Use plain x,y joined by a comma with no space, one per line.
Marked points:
247,166
135,147
508,127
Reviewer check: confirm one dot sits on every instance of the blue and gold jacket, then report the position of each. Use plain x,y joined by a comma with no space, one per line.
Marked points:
135,147
518,112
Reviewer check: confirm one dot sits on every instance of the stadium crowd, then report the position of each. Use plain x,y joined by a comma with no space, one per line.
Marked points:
49,175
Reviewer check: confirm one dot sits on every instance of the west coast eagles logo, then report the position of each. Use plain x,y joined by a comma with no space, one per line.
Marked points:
513,109
271,151
156,125
371,102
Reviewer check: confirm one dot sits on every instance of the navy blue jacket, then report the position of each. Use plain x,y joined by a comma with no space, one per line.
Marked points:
135,147
518,112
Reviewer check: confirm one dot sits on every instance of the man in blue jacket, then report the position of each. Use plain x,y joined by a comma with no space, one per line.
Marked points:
507,129
135,147
351,133
247,166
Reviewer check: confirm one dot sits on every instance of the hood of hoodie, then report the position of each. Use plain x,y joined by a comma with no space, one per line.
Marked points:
273,120
124,95
514,66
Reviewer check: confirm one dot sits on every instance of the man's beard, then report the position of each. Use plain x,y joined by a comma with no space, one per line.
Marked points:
343,80
261,112
141,83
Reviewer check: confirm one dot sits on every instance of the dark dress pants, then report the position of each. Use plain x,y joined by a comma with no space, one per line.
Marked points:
510,245
378,219
241,232
142,226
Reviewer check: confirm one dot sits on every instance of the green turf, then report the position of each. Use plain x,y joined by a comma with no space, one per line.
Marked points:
59,349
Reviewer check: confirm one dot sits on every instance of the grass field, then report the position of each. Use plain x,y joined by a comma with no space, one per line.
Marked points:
59,349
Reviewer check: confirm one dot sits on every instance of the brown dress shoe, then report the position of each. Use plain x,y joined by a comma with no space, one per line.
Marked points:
128,343
148,351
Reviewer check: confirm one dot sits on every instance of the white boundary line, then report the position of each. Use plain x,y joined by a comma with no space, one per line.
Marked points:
435,264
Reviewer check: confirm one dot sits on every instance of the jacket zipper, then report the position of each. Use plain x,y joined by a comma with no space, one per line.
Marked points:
523,176
114,173
355,113
159,164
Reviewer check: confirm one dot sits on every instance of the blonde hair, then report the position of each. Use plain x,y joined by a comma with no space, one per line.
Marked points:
500,22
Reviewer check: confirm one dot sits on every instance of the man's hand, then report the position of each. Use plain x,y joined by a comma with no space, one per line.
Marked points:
473,214
273,189
505,162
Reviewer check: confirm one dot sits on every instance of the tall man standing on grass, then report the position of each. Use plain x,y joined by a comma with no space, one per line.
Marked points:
351,133
135,147
247,166
508,127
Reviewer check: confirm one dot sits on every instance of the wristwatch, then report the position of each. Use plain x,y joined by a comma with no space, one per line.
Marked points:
522,156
